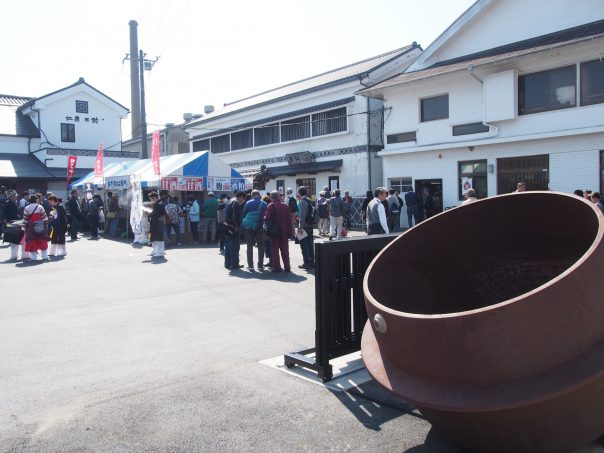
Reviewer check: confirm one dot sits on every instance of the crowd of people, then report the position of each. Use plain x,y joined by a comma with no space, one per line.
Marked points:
36,226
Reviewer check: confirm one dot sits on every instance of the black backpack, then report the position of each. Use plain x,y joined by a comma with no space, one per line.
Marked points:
312,215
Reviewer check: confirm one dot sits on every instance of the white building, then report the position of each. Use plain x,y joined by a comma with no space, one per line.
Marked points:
512,91
38,134
315,132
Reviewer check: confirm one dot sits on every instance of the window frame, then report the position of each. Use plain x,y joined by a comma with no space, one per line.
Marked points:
68,132
582,83
474,174
422,113
522,110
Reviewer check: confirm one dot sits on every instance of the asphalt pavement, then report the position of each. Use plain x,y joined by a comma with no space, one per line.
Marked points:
110,351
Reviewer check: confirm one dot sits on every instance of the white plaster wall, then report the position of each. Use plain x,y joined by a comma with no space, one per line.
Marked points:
466,102
508,21
88,135
574,163
15,145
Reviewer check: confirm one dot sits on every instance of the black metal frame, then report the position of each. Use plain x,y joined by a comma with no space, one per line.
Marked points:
339,302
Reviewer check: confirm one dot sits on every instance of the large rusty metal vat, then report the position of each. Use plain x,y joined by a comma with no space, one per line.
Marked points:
490,319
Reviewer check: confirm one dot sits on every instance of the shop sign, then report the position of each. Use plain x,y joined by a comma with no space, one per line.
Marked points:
228,184
466,183
117,182
188,183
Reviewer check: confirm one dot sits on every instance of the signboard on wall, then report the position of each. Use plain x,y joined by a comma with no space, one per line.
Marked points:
466,183
188,183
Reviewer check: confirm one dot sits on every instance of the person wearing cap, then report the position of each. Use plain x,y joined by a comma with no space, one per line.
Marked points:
209,219
233,216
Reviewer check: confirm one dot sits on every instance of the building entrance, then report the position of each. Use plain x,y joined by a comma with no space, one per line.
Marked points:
430,193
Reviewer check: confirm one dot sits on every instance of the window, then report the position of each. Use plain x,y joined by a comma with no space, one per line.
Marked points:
295,129
435,108
547,90
281,185
401,138
472,128
401,184
329,122
533,170
473,175
242,139
265,135
592,82
201,145
67,132
220,144
310,184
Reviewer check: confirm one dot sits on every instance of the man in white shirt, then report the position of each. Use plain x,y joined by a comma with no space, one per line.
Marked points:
376,214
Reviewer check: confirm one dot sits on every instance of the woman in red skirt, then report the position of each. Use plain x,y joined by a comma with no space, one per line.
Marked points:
36,229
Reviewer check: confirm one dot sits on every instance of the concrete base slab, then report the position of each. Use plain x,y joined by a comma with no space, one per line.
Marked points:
348,371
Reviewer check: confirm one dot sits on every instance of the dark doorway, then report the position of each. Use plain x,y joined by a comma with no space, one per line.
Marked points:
533,170
430,193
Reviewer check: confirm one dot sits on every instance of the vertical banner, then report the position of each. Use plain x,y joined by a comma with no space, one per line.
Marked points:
155,152
136,210
71,166
98,163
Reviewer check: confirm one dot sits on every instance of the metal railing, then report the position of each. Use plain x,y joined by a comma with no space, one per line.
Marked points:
339,302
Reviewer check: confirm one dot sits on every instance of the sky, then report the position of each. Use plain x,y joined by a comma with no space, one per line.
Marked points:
210,53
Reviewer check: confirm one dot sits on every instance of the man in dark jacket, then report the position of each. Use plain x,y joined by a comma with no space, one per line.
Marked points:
412,202
75,213
11,209
233,216
157,225
307,243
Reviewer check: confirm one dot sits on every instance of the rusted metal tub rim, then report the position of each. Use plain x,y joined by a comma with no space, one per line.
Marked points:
579,372
380,307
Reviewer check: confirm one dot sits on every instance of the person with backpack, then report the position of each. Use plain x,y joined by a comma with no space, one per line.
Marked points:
36,229
336,215
173,214
292,203
253,213
323,206
305,224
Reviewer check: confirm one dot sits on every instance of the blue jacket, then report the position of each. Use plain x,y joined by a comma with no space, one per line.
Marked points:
252,205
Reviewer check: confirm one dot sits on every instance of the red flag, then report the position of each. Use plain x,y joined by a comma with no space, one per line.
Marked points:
155,152
98,164
71,166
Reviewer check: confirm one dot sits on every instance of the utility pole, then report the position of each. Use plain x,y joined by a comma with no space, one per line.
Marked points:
138,66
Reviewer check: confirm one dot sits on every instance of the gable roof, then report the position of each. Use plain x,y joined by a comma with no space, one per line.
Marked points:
334,77
80,81
533,45
13,122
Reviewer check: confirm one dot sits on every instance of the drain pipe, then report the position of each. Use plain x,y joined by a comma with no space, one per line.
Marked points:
368,135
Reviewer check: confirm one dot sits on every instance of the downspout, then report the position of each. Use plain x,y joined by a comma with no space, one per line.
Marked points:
368,135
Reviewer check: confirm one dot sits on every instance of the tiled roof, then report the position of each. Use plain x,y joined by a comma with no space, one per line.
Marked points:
321,81
7,99
513,50
22,166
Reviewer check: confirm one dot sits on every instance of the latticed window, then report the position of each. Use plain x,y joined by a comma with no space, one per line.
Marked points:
295,129
220,144
242,139
266,135
329,122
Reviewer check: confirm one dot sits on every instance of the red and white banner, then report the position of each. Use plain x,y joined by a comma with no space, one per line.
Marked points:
155,152
71,166
98,163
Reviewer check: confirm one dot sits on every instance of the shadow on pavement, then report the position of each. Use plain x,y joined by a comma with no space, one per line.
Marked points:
290,277
30,263
434,443
152,260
